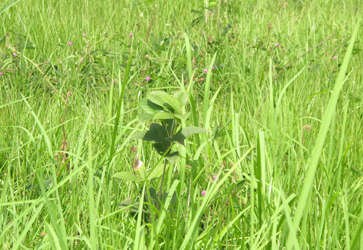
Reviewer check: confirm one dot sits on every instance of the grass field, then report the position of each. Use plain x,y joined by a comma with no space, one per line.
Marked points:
277,84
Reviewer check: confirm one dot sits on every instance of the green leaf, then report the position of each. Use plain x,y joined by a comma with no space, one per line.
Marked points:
182,96
149,107
187,132
183,117
145,117
155,97
171,102
156,133
164,116
125,176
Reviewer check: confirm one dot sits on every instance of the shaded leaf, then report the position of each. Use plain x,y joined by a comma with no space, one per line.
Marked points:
156,133
187,132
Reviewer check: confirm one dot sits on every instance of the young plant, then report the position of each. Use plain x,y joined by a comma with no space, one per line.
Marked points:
167,109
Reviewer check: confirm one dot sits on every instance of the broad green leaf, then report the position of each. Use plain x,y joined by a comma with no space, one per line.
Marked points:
126,176
164,116
145,117
155,97
149,107
171,102
156,133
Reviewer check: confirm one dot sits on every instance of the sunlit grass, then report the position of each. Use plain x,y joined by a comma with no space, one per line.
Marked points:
281,167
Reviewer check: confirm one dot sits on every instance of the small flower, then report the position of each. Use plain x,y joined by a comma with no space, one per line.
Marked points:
203,32
148,78
205,71
213,68
14,54
335,57
277,44
81,59
69,192
131,35
70,44
114,81
84,35
204,192
210,12
1,73
214,177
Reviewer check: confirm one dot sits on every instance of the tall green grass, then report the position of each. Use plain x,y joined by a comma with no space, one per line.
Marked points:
286,151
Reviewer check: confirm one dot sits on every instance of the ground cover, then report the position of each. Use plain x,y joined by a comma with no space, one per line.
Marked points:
181,125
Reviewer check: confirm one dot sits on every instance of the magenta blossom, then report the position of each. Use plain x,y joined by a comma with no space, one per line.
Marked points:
210,12
204,192
69,192
84,35
114,81
14,54
203,32
1,73
277,44
70,44
148,78
214,177
131,35
212,67
205,71
81,59
335,57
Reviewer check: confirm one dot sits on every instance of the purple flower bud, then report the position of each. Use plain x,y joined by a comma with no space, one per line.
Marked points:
84,35
131,35
70,44
214,177
212,67
277,44
14,54
204,192
335,57
210,12
148,78
69,192
205,71
1,73
114,81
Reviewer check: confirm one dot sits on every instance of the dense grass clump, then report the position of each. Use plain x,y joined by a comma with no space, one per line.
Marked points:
256,140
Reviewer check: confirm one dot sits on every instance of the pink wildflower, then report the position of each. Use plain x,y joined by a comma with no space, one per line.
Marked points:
84,35
1,73
81,59
204,192
205,71
212,67
335,57
214,177
70,44
131,35
148,78
14,54
277,44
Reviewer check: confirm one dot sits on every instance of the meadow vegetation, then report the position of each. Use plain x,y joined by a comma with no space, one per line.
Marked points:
251,112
